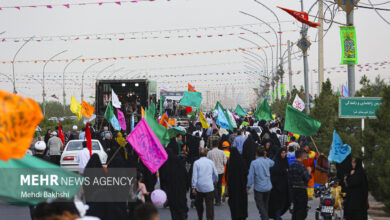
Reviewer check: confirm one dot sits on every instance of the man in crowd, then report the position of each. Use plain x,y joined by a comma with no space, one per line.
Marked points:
293,143
259,175
214,137
219,159
83,157
82,134
239,141
105,132
55,148
203,178
233,136
40,148
298,177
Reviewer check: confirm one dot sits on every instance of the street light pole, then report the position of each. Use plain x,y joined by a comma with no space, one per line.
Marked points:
63,80
276,36
280,41
43,80
305,67
351,68
269,45
82,78
13,64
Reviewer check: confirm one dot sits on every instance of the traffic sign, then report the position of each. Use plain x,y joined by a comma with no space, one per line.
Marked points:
359,107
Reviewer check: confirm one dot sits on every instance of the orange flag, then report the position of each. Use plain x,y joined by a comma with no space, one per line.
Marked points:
87,110
19,117
164,120
142,112
191,88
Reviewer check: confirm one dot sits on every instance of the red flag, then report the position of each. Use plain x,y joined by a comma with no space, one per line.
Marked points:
61,135
89,138
301,16
188,110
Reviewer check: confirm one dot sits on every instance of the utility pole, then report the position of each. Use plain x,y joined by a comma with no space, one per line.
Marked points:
305,63
320,45
289,66
351,68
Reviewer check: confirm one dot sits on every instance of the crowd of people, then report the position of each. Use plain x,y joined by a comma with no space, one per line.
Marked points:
214,165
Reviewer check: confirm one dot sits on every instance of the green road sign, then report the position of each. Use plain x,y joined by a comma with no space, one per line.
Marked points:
358,107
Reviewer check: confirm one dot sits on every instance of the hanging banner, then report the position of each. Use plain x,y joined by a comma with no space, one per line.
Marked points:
348,45
282,89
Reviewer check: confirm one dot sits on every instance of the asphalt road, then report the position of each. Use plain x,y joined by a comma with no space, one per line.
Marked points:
223,212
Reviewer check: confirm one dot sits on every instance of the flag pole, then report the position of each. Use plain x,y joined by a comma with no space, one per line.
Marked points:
315,145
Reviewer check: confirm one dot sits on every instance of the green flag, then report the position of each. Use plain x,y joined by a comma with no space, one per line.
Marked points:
159,130
191,99
14,171
109,114
162,100
240,111
348,45
152,109
174,131
193,116
218,105
263,112
298,122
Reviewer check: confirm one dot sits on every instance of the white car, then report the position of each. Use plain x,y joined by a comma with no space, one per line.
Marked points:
68,157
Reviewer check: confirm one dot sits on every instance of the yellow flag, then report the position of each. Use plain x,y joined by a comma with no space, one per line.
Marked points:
19,117
142,112
75,107
203,121
87,110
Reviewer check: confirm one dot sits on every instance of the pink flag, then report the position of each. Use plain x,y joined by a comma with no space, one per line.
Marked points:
67,5
121,119
147,145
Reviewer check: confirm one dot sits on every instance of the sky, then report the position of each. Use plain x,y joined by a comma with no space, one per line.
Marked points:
183,18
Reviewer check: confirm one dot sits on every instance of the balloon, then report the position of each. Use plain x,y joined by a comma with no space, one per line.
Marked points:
158,197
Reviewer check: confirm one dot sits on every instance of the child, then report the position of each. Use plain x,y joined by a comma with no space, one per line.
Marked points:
141,189
291,155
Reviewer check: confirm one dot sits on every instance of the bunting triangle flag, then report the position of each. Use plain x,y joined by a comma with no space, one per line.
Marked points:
75,107
240,111
263,112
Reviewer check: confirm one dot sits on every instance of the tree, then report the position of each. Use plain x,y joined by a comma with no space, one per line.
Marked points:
376,140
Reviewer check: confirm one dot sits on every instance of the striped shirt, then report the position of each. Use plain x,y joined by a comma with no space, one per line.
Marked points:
219,159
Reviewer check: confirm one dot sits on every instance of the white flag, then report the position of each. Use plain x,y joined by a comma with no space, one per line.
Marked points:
298,103
115,100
